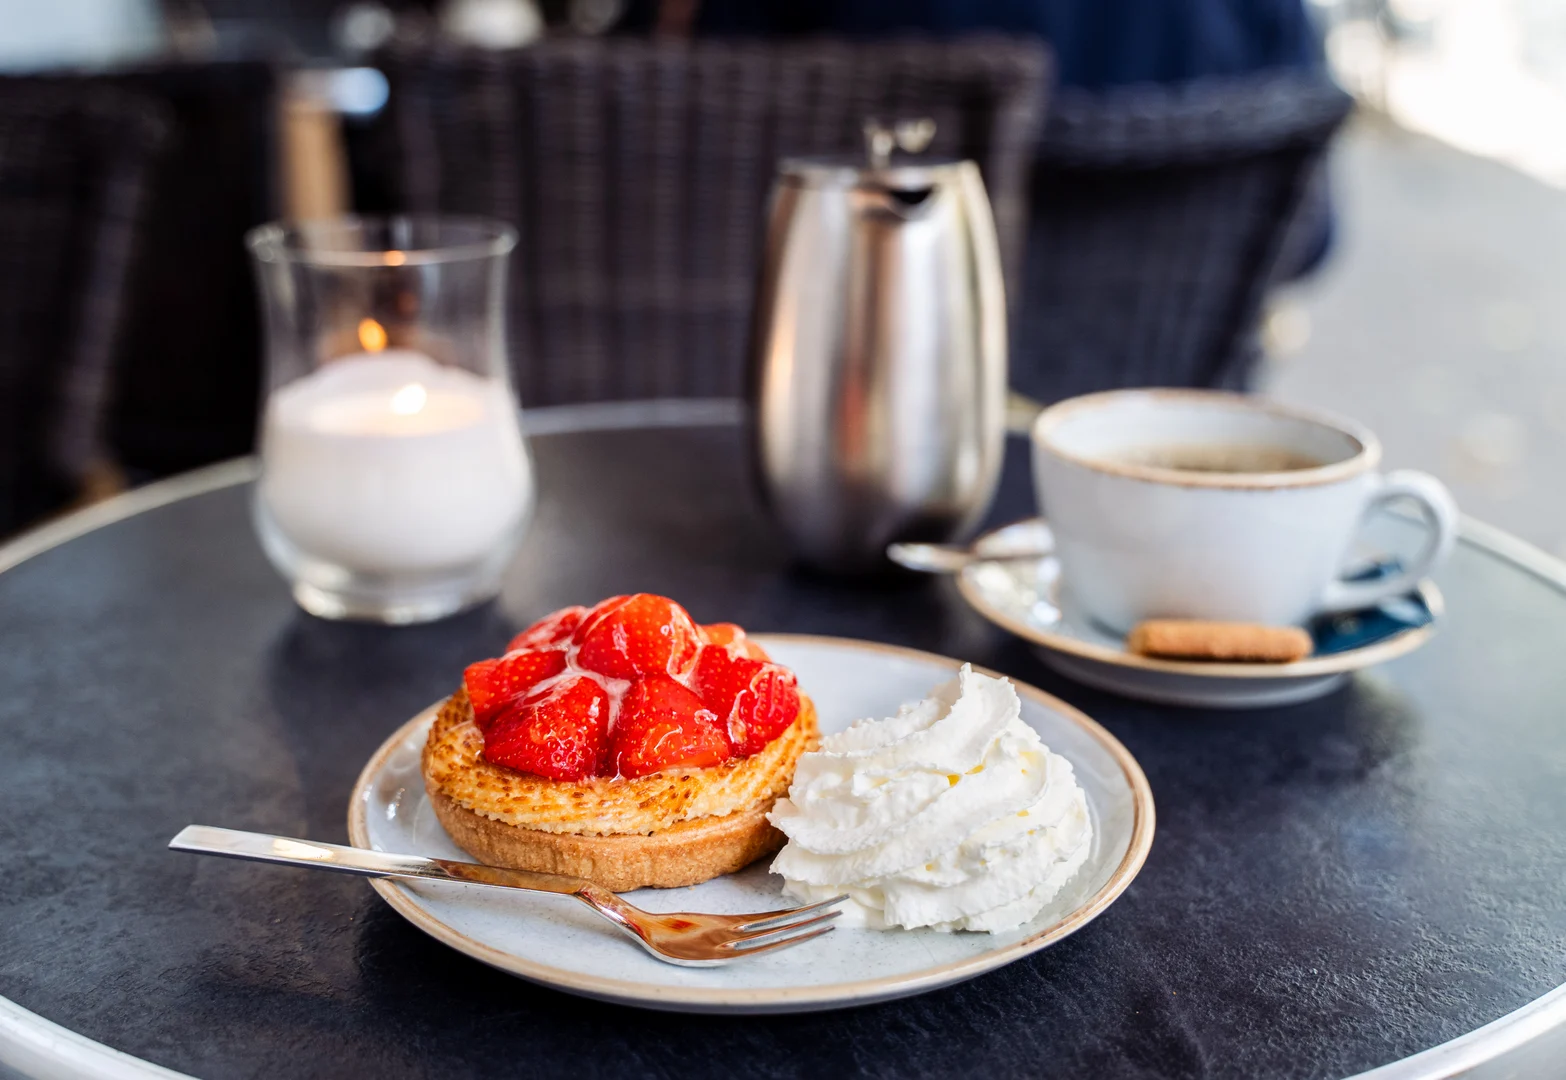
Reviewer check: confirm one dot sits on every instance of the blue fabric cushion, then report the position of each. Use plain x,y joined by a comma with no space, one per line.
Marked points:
1098,43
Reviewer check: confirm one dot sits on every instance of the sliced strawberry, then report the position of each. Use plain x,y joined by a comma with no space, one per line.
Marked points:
664,725
722,633
644,635
552,629
727,633
494,684
755,700
772,704
719,677
560,732
595,615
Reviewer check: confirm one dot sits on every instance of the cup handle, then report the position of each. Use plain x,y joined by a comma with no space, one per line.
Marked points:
1438,509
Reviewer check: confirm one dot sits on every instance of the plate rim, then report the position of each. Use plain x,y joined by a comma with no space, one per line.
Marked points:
1398,644
864,991
1179,692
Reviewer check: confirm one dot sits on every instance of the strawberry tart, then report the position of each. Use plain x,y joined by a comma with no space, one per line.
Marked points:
623,743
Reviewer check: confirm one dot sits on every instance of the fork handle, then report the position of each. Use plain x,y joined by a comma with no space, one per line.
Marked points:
263,847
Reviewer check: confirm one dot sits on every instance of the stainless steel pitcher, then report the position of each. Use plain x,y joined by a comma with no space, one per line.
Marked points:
878,353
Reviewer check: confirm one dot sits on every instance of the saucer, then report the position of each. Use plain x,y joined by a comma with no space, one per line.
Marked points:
555,941
1022,595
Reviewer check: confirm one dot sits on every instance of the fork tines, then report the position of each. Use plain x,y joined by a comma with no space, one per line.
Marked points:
784,929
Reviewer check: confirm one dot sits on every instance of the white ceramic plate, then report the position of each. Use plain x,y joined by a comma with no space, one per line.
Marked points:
558,942
1023,595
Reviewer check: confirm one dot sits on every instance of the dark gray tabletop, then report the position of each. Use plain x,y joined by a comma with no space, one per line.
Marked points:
1332,886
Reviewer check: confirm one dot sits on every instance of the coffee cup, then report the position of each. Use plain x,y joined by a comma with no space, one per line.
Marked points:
1209,505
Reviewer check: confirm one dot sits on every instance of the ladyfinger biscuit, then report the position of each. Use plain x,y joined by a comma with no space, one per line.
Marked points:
1197,639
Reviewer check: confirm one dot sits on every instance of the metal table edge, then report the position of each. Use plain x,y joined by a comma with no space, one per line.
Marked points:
33,1046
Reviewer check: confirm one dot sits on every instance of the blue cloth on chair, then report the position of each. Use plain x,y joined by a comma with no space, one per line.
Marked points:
1097,43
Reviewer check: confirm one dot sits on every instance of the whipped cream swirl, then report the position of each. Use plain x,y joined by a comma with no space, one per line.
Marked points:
951,814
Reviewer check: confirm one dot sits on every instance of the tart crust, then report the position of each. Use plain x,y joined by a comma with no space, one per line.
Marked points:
673,828
684,854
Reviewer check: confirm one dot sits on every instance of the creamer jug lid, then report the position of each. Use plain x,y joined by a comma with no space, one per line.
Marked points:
892,161
843,171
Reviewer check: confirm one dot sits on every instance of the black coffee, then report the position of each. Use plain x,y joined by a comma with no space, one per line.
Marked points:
1218,458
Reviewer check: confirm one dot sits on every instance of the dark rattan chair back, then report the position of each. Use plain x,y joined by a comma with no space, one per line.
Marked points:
637,174
190,354
73,167
1160,218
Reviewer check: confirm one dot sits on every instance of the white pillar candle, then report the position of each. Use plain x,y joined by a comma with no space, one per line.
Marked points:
390,463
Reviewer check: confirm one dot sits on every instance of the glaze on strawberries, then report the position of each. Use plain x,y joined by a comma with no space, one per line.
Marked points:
628,688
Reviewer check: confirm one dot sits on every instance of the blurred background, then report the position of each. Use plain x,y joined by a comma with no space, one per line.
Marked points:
1355,204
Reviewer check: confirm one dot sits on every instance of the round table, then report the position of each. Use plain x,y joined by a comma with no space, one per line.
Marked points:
1333,886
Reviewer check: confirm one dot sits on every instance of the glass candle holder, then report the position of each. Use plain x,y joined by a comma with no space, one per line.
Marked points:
395,482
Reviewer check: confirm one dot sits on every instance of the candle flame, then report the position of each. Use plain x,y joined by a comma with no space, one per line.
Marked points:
372,335
409,400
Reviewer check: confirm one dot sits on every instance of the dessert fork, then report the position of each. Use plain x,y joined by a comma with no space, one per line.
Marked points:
688,938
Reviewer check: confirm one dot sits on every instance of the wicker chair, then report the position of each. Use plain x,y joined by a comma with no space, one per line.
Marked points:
1160,217
73,166
190,353
637,174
